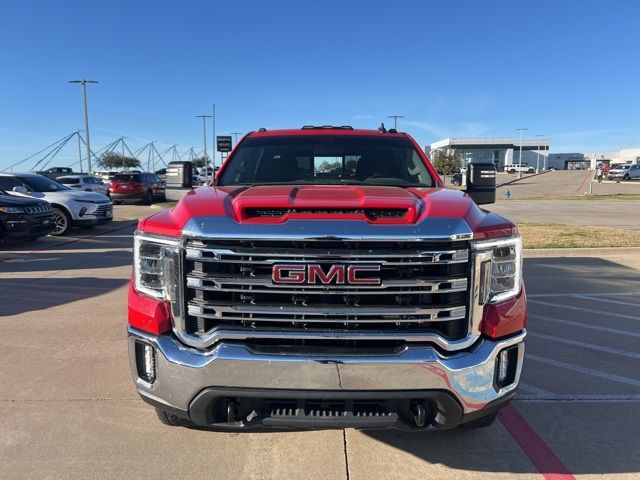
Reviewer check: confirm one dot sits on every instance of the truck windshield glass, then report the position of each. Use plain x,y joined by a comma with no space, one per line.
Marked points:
41,184
327,160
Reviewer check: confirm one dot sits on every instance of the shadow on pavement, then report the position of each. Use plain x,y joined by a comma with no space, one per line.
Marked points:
20,295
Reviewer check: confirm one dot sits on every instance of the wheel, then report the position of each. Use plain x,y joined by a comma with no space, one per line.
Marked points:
531,170
62,221
483,422
626,177
167,418
512,171
148,198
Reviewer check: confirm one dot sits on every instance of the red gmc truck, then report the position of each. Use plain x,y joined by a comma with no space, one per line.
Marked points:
328,280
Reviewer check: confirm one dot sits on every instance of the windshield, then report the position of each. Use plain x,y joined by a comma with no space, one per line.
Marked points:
327,160
127,177
68,181
42,184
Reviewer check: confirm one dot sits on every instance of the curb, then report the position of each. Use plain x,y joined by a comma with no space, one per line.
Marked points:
523,178
580,252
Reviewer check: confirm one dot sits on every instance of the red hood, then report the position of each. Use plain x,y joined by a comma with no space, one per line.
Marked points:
371,204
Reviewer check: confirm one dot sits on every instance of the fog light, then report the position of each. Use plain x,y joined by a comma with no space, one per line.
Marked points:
506,367
83,210
146,362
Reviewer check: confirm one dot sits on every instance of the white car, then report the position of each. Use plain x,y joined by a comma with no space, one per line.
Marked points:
70,207
624,172
524,168
84,182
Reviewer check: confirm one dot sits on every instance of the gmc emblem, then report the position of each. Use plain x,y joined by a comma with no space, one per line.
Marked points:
312,274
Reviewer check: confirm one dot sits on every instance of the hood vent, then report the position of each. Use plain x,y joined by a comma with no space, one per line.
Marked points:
371,214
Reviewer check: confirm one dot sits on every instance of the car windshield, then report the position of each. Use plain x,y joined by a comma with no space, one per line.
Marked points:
327,160
42,184
68,181
127,177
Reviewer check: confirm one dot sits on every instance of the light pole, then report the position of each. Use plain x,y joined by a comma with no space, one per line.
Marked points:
79,150
520,159
395,120
204,132
546,157
235,137
538,156
123,162
86,117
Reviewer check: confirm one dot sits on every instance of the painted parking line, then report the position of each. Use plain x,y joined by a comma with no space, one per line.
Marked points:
571,323
584,309
607,300
532,389
540,454
67,242
590,346
587,371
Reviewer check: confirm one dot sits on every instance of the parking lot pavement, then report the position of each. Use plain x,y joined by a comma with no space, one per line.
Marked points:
616,214
70,409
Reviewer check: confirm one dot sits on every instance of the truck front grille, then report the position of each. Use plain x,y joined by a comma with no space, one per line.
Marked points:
229,292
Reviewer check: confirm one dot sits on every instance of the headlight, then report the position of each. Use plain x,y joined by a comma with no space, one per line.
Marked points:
501,272
155,264
11,210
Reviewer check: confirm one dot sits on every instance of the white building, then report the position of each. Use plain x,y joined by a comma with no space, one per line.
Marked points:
499,151
624,155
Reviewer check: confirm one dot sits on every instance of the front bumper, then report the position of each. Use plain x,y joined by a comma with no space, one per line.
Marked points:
189,382
25,226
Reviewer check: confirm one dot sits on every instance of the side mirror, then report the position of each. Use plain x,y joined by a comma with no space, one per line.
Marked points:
20,189
481,183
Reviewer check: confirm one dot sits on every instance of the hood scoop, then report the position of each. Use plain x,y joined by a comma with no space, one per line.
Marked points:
279,203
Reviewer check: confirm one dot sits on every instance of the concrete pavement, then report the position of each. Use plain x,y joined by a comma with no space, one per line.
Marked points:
71,411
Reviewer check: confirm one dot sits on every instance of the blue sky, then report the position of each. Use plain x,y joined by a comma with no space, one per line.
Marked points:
570,70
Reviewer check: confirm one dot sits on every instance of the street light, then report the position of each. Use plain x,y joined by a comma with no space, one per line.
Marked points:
86,116
395,120
520,159
204,132
538,156
235,137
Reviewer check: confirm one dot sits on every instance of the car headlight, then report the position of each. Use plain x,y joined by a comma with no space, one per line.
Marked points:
11,210
155,266
501,271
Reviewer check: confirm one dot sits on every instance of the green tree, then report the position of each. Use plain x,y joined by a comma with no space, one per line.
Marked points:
446,163
113,160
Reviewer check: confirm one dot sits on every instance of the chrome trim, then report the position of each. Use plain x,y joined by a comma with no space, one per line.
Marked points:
224,228
182,372
420,286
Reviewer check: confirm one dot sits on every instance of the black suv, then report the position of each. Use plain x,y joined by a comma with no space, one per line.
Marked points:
24,218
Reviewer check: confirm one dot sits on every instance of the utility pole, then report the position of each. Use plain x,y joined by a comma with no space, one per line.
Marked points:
86,117
204,132
123,162
395,120
79,150
538,156
520,159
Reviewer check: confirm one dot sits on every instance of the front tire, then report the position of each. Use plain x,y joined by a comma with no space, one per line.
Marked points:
62,222
512,171
626,177
148,198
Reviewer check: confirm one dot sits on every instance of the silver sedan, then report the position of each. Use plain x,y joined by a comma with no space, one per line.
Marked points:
84,182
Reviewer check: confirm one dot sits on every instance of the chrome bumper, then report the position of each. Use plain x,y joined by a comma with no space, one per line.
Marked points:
183,372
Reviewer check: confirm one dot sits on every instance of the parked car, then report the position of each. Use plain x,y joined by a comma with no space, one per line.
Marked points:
524,168
70,207
55,172
625,171
142,186
85,182
24,218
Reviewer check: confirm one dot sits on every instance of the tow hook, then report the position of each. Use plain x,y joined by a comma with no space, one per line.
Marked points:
419,414
232,411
